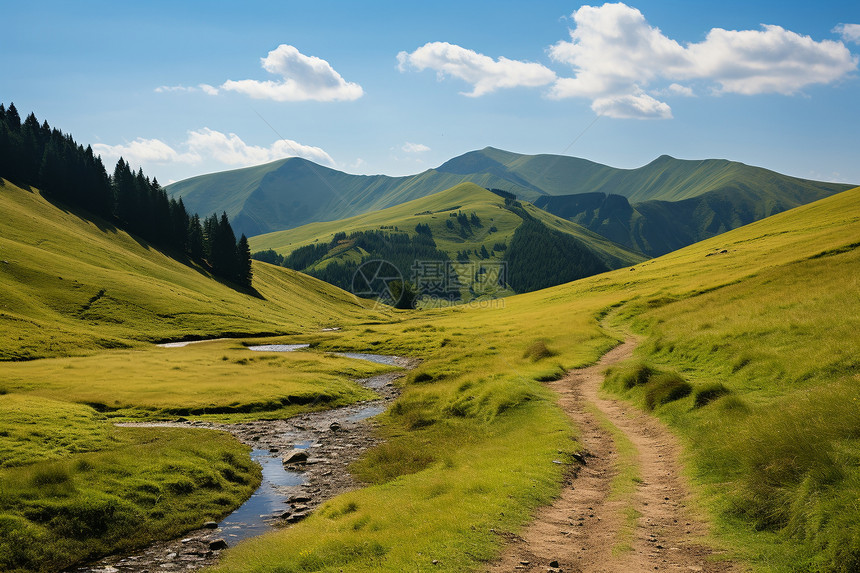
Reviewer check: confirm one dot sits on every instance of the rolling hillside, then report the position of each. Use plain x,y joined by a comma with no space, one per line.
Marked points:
760,327
292,192
760,324
73,283
657,227
488,239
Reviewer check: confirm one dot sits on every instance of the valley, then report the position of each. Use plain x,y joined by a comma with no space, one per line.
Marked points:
449,287
470,447
121,439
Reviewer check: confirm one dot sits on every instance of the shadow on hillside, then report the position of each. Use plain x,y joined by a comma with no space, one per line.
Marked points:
111,228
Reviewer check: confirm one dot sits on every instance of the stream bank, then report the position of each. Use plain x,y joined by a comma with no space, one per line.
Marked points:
305,462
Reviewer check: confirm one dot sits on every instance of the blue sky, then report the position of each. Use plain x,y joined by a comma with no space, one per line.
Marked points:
185,88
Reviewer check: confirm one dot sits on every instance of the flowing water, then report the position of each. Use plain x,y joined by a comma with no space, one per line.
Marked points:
253,517
330,448
257,514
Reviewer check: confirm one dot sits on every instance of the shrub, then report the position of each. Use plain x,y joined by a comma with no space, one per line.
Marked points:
665,387
627,377
708,393
422,377
538,351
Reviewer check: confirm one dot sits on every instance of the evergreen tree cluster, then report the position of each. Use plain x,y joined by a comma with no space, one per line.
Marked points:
399,249
270,256
34,154
539,257
504,194
423,229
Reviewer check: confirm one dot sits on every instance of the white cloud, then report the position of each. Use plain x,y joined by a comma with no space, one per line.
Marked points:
638,106
302,78
205,88
485,74
209,145
170,89
209,90
409,147
357,164
229,149
849,32
142,151
678,89
616,54
770,60
674,90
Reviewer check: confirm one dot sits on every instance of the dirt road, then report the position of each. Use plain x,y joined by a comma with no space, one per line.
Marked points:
627,508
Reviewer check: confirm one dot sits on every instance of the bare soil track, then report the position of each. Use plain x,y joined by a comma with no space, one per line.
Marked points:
589,528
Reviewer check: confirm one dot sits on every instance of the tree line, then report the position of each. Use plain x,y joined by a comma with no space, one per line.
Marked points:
400,249
539,257
34,154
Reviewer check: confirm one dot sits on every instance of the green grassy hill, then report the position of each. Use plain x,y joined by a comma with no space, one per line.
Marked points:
292,192
769,311
70,283
657,227
493,234
80,304
761,322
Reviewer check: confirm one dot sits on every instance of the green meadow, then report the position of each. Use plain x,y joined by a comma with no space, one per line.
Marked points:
706,314
757,327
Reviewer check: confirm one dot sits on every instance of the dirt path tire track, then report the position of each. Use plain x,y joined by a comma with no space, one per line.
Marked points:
583,530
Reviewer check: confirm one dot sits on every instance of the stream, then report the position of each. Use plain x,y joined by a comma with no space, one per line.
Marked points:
289,490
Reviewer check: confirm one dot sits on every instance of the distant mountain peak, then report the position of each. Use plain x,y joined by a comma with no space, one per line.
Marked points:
294,191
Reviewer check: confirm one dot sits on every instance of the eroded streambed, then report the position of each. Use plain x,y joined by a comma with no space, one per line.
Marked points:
289,491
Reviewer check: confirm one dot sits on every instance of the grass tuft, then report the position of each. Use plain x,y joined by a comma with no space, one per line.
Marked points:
628,376
538,350
665,387
708,393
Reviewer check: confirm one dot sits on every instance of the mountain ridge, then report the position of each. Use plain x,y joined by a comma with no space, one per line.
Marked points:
292,192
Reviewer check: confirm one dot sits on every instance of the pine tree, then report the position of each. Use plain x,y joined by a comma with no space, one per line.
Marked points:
13,120
243,252
195,238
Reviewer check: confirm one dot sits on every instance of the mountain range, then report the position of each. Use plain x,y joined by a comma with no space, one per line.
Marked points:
687,199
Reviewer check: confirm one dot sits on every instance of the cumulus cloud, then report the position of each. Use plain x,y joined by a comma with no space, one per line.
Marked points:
142,151
632,106
616,54
302,78
409,147
210,145
485,74
849,32
229,149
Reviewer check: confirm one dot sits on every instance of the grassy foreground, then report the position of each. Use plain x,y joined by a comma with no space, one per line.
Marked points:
473,439
139,486
480,378
73,486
